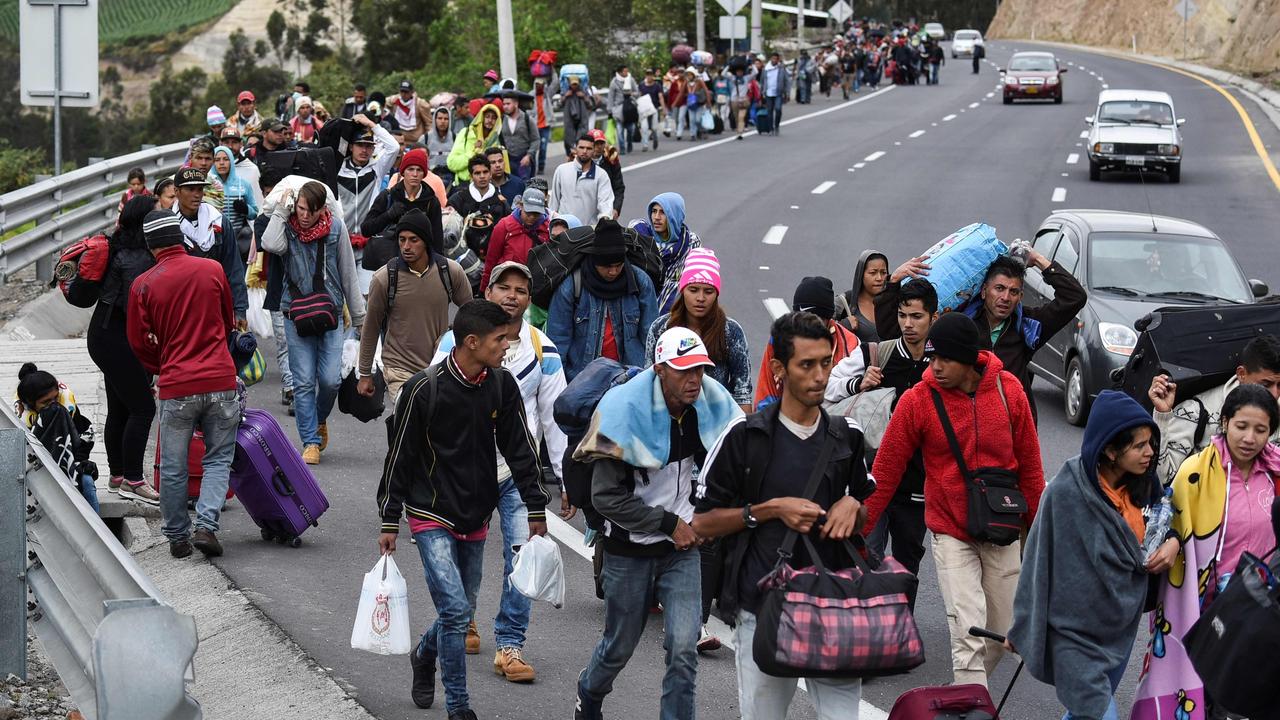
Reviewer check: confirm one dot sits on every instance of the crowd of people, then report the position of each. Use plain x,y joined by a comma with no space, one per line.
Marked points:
691,466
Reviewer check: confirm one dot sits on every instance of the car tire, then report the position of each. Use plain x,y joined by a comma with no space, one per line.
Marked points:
1095,172
953,56
1057,100
1008,100
1175,174
1075,396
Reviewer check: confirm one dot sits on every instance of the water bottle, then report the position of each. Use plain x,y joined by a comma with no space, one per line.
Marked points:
1158,524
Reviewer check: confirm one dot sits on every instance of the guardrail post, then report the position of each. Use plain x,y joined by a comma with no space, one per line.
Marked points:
13,553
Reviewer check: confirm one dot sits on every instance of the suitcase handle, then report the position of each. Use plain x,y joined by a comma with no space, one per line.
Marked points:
281,483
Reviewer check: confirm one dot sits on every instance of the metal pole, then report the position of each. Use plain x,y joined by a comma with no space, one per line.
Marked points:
57,89
701,11
800,22
1186,7
13,553
757,39
506,40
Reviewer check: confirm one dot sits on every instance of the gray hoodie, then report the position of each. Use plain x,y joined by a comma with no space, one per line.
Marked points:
847,302
438,148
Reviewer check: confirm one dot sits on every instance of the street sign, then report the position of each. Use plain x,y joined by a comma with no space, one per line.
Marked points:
1185,8
840,12
731,7
733,27
68,26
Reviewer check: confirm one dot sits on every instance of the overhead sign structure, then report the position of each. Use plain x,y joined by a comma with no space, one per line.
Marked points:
731,7
840,12
733,27
59,58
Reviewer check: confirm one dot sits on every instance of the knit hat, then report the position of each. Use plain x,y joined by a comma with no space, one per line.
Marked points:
954,336
214,116
34,383
162,228
416,222
610,243
491,75
416,156
304,100
816,295
701,266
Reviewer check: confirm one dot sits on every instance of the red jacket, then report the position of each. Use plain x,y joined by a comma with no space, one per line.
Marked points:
1001,442
179,316
511,240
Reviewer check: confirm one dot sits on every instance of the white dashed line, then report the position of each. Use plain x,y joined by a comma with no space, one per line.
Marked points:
774,236
1079,144
1105,86
1084,133
934,125
1059,194
776,307
853,170
949,118
1066,174
897,142
861,165
764,267
1073,158
991,95
873,156
916,134
795,207
823,187
973,105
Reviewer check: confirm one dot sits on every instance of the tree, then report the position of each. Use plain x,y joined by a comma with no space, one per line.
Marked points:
177,108
397,33
241,71
276,29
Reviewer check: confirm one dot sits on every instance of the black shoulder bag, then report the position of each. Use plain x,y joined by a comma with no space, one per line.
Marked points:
314,313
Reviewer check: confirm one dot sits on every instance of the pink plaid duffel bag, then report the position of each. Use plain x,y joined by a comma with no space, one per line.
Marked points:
815,622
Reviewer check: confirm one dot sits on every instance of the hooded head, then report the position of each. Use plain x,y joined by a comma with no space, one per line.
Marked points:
231,170
672,205
860,270
1113,413
477,122
569,221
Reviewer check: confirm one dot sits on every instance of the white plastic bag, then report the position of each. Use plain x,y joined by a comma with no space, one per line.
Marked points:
382,621
538,571
259,318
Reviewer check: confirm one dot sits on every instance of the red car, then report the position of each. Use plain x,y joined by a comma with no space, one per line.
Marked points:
1033,76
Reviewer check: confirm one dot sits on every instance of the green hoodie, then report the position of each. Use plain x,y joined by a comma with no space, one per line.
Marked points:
473,141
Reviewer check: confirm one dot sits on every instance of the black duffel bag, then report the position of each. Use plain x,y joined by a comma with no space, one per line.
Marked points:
358,406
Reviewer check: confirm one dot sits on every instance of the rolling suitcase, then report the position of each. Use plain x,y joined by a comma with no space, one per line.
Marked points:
764,121
953,702
195,467
276,488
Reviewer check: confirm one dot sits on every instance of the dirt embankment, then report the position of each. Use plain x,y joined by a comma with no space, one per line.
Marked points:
1242,36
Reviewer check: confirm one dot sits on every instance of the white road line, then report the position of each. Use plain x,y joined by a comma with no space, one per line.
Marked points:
935,125
873,156
1066,174
715,143
823,187
764,267
1073,158
1079,144
795,207
991,95
853,170
916,134
897,142
973,105
568,536
774,236
859,166
1059,194
1105,86
777,307
1084,133
949,118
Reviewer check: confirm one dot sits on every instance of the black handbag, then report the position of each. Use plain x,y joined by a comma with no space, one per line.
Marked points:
314,313
362,408
995,504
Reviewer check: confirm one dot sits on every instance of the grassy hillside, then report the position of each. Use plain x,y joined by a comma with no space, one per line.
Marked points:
123,21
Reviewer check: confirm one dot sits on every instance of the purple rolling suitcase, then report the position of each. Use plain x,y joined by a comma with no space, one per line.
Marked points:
276,488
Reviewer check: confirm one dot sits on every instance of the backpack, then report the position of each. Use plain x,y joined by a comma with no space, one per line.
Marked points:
551,262
572,412
393,282
81,268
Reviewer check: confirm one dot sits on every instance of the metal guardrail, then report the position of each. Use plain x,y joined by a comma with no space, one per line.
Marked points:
97,615
68,207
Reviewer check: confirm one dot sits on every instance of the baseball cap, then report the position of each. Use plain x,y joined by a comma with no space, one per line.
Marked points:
188,176
277,126
534,200
406,85
245,95
509,265
682,349
597,135
364,137
230,132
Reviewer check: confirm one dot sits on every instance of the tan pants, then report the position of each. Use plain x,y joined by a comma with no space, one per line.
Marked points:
740,112
978,581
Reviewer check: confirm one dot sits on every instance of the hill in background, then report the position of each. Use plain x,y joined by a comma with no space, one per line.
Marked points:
122,22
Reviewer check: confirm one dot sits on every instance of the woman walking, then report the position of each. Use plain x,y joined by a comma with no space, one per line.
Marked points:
665,224
239,207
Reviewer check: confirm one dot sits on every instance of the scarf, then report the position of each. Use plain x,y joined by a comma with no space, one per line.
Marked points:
475,194
319,230
623,285
199,233
673,255
407,115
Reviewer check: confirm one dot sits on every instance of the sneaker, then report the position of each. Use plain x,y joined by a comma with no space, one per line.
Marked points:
113,484
473,639
290,410
463,714
708,642
206,542
286,396
324,435
180,548
139,491
423,690
586,708
311,454
509,662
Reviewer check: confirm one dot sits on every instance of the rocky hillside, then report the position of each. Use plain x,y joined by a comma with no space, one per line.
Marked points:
1238,35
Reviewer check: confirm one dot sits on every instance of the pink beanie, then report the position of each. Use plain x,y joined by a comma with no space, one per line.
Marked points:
701,266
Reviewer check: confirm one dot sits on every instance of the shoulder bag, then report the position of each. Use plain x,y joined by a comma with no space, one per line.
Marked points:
314,313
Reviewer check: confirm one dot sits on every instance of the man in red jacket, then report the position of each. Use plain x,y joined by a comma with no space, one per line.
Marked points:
516,234
993,424
179,318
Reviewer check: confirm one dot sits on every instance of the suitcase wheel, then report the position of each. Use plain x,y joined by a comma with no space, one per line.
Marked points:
266,535
295,542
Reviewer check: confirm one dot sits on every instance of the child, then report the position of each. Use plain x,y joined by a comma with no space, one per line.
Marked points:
137,180
49,409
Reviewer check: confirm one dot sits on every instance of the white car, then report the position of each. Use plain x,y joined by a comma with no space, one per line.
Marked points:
935,30
963,42
1135,130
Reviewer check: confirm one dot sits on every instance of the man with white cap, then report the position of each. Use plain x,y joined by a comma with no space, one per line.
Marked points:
644,441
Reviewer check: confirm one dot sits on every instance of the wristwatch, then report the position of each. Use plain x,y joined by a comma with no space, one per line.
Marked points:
747,518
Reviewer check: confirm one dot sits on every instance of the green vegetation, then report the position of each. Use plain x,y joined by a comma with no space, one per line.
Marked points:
123,21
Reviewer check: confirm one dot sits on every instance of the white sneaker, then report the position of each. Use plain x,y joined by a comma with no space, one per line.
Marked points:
708,642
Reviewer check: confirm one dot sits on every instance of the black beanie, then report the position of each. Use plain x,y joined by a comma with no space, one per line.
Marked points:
417,222
816,295
162,228
33,383
954,336
610,244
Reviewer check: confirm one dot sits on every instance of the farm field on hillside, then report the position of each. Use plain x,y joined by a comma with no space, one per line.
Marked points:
120,21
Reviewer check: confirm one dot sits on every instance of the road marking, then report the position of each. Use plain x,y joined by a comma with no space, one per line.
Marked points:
1079,144
974,104
1073,158
774,235
777,307
934,124
822,188
949,118
795,207
853,170
568,536
991,95
873,157
1066,174
764,267
1105,86
715,143
1059,194
859,166
1084,134
897,143
916,134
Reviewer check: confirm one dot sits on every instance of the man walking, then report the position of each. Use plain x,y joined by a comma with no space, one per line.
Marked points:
372,157
179,317
645,439
520,138
581,188
200,225
776,86
442,471
607,157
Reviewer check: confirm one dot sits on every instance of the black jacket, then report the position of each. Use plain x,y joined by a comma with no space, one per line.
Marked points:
733,472
443,466
225,251
613,168
391,205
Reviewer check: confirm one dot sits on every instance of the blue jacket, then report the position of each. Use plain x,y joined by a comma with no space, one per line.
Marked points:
577,327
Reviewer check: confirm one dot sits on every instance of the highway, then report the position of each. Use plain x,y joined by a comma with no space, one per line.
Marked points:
894,170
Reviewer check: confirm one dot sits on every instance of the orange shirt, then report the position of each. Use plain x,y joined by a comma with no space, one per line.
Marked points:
1131,513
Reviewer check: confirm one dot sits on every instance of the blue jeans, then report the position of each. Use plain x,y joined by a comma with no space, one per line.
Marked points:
933,73
317,366
452,568
217,414
512,621
544,137
282,350
625,145
775,111
89,491
631,586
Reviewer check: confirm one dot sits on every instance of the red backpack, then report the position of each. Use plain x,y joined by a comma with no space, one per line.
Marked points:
81,268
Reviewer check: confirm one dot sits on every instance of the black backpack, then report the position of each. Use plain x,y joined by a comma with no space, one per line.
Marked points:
551,262
317,163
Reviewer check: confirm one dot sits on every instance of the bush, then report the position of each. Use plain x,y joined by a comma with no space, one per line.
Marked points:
19,166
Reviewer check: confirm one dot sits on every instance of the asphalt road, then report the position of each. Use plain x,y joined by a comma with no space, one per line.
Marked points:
895,171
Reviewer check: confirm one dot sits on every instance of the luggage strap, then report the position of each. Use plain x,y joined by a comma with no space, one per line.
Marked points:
951,432
279,480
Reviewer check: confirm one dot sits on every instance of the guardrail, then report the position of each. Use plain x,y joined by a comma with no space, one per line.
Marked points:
67,207
95,612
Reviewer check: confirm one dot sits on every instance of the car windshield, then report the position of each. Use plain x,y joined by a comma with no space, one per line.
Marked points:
1033,64
1154,264
1138,112
966,35
933,27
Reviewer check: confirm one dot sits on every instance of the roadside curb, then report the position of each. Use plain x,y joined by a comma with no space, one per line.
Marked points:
48,317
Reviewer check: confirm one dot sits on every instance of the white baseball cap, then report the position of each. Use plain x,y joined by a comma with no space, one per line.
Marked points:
682,349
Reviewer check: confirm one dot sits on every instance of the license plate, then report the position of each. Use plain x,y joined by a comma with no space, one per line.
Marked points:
1032,90
1134,160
